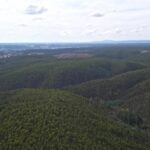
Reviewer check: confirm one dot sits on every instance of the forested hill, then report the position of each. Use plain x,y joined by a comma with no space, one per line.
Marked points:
94,98
114,88
127,93
53,119
47,72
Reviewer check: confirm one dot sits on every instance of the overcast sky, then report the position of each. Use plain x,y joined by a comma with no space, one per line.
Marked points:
74,20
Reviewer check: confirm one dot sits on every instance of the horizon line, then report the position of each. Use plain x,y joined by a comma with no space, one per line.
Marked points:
73,42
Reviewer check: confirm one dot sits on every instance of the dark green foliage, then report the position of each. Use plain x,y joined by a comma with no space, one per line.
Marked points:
130,118
51,119
143,58
115,87
116,79
51,73
112,104
140,104
128,91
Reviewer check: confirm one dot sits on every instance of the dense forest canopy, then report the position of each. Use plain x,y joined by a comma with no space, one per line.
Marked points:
94,97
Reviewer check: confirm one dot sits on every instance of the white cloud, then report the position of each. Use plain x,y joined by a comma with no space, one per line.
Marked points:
73,20
35,10
23,25
97,15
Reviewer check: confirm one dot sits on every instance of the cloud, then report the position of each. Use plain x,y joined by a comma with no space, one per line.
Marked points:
91,32
38,19
23,25
118,31
128,10
65,33
75,4
97,15
35,10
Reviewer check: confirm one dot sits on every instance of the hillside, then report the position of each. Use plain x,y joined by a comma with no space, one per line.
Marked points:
113,88
128,91
89,98
143,57
138,100
53,119
48,72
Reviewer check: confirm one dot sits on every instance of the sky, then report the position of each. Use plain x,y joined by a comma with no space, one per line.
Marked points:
74,20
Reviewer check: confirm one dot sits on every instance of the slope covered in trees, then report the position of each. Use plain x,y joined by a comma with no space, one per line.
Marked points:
128,91
53,119
48,72
113,88
110,111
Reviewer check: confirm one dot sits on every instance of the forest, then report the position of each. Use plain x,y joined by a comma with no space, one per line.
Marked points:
87,98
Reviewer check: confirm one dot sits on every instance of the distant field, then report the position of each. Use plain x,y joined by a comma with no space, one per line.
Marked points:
73,55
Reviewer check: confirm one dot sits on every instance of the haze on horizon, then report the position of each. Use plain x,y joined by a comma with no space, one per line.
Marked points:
74,20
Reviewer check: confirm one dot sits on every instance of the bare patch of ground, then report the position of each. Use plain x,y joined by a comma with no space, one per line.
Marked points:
73,55
145,51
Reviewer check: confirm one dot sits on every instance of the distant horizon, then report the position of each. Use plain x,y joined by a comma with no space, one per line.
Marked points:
82,42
